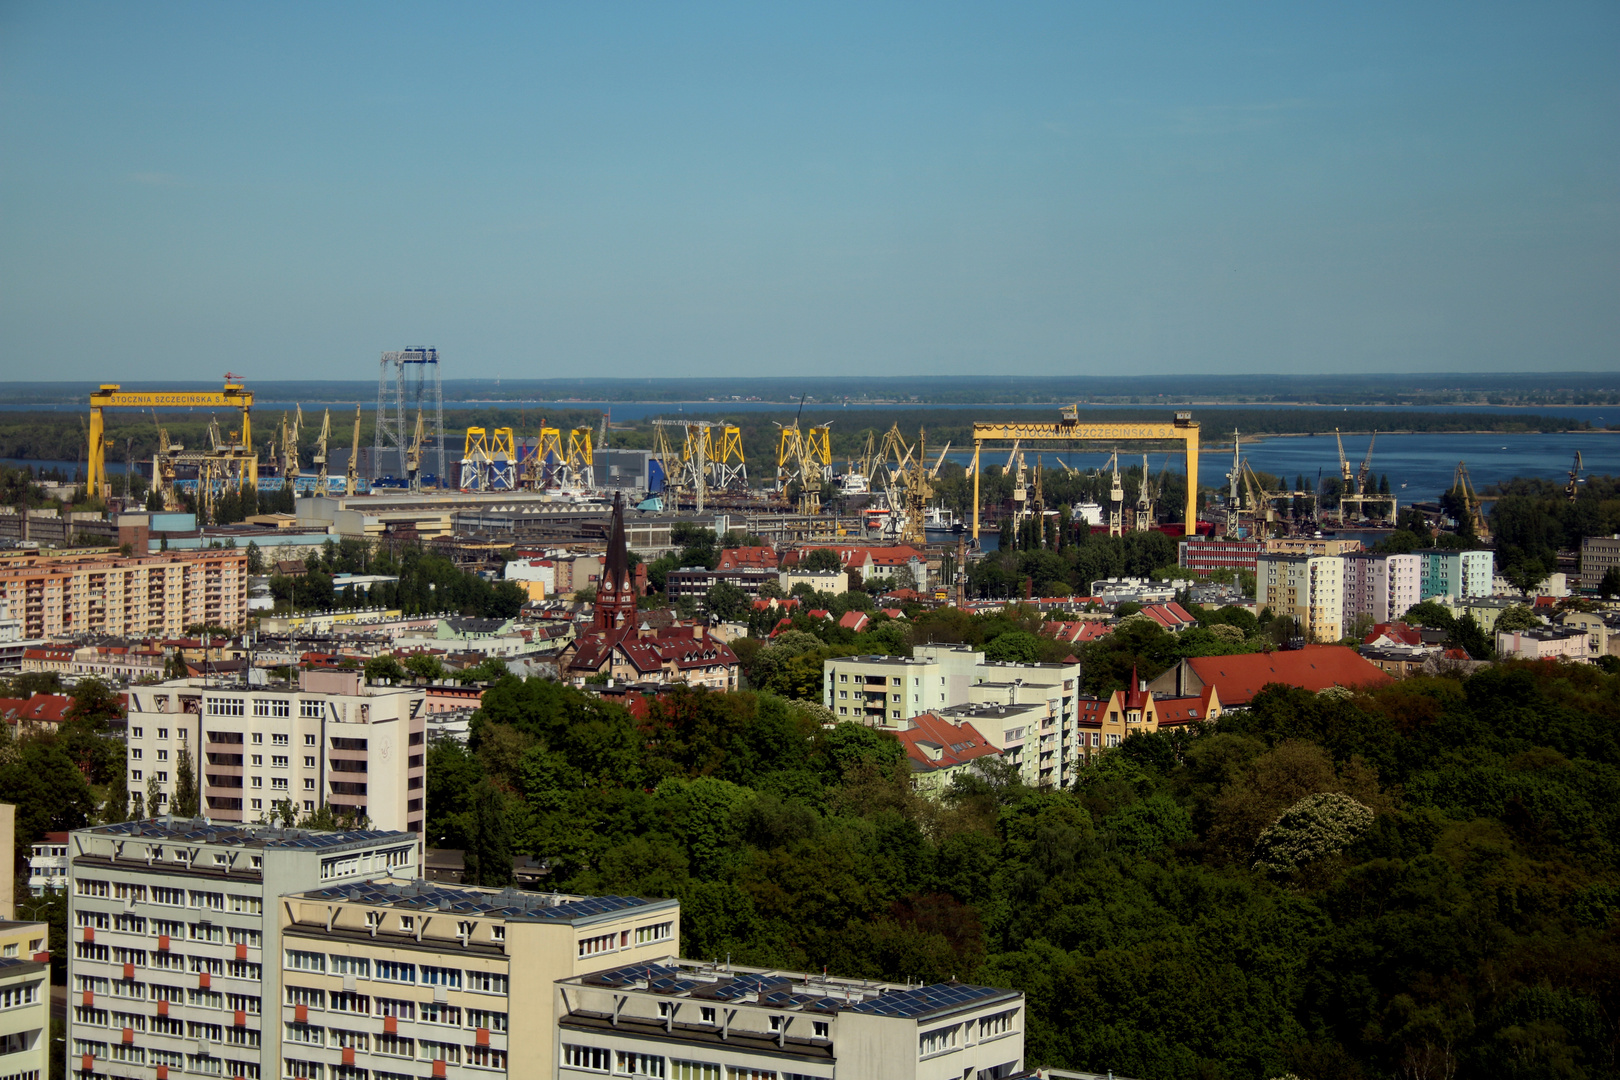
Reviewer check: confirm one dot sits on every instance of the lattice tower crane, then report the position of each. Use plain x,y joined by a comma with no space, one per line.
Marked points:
1575,480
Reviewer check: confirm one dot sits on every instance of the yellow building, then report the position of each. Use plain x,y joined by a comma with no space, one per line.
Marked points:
407,978
25,1001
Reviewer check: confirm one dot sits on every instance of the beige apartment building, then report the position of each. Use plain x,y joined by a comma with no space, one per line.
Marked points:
687,1020
413,979
175,940
331,740
101,593
25,1001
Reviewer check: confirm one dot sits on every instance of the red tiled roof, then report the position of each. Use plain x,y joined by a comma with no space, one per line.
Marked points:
1175,711
1395,633
957,744
1315,667
1171,616
893,612
41,708
747,558
1076,633
854,620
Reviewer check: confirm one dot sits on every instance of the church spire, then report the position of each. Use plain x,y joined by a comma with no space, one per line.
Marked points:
615,591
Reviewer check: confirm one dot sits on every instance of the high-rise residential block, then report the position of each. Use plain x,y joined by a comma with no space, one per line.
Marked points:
332,740
174,928
97,593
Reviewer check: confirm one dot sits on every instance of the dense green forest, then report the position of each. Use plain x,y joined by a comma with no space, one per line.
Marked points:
1419,882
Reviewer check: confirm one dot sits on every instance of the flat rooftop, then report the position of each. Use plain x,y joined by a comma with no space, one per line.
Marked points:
794,989
511,904
202,831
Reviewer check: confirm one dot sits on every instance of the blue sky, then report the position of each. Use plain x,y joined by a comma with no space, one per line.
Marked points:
664,189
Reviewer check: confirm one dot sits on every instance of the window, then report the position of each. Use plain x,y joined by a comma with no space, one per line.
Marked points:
497,932
309,740
278,761
658,932
207,932
258,738
13,996
298,960
407,923
351,965
205,1032
821,1029
294,1069
309,783
439,976
262,707
258,761
486,982
305,1034
484,1018
435,1013
449,1053
402,1010
934,1042
278,783
225,707
205,999
395,1046
163,733
307,996
135,774
244,1003
350,1002
163,755
999,1024
92,888
482,1057
692,1070
137,733
353,1040
706,1014
309,710
594,945
595,1058
390,971
213,901
247,905
309,762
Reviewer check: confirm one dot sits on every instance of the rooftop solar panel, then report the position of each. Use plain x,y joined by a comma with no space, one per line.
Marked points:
927,1000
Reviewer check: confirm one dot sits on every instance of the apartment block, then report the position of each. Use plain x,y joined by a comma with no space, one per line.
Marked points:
332,740
400,980
25,1001
1308,588
175,938
888,691
1598,554
1206,554
1457,573
685,1020
1382,586
98,593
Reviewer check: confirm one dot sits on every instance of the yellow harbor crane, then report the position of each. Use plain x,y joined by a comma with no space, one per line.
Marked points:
319,460
1068,430
351,475
112,396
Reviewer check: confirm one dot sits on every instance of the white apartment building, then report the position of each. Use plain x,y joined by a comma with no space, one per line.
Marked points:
48,864
399,980
686,1020
887,691
25,1001
1310,588
96,593
170,922
1383,586
331,741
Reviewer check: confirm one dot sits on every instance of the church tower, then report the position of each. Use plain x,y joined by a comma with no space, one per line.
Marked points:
616,591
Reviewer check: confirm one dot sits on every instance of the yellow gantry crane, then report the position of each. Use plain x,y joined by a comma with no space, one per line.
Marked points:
1068,429
112,396
319,460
